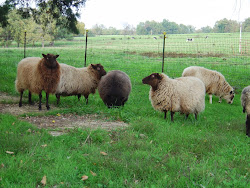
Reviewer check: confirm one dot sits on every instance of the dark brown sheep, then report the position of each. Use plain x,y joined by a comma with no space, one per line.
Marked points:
114,88
36,74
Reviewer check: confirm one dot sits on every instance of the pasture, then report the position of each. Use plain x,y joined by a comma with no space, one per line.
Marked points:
146,152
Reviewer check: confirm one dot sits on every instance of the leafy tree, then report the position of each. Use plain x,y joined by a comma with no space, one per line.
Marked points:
226,26
16,26
67,9
246,25
207,29
98,29
81,28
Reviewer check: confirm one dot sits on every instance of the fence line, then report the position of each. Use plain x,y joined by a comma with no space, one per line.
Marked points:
215,51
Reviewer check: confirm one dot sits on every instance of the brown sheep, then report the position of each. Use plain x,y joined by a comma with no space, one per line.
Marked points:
36,74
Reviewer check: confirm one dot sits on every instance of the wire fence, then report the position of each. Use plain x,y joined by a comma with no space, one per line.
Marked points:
228,53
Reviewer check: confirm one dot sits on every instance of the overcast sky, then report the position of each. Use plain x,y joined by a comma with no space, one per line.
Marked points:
198,13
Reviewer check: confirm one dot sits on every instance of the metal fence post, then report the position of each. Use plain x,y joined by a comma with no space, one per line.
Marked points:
86,43
163,54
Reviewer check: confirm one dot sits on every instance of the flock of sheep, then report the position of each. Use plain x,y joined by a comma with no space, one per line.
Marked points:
185,94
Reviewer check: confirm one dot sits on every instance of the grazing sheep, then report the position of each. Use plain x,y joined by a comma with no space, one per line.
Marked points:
79,81
36,74
189,40
245,102
214,81
184,94
114,88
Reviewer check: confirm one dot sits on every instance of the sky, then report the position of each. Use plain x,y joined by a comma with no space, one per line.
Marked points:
198,13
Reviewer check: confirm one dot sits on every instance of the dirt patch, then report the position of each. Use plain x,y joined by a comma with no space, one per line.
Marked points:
177,55
73,121
60,122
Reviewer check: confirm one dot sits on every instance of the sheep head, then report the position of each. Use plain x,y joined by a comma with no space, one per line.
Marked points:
229,97
100,70
152,80
50,60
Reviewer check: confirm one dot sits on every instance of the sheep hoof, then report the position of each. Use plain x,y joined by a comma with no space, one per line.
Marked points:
20,105
48,108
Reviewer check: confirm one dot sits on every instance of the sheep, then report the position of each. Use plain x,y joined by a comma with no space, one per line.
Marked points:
79,81
36,74
184,94
189,40
114,88
245,102
214,81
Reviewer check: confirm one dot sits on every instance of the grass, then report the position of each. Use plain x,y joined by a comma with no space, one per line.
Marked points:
152,152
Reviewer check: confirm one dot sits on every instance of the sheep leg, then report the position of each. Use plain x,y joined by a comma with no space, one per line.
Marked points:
47,101
58,98
195,115
30,102
165,114
79,97
244,109
248,125
86,98
40,101
186,116
172,116
220,99
21,97
210,99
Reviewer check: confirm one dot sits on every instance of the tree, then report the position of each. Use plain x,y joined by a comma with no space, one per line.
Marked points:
58,9
81,28
246,25
226,26
207,29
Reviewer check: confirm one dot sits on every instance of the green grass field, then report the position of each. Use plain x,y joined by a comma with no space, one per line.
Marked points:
151,152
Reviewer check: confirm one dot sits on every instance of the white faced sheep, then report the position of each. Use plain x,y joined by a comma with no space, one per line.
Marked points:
245,102
79,81
114,88
214,81
36,74
184,94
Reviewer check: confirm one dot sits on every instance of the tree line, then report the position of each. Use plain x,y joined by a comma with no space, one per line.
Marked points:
56,19
156,28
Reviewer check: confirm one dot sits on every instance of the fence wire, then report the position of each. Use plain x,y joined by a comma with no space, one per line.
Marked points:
226,53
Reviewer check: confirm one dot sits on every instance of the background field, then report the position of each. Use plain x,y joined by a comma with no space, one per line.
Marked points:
151,151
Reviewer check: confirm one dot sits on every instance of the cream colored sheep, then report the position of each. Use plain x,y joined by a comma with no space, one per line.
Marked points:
214,81
79,81
184,94
36,74
245,102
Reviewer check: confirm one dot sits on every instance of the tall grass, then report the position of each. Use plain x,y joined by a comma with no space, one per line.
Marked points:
151,152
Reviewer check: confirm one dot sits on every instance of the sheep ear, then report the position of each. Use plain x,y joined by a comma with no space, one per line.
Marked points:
158,76
57,56
93,66
44,55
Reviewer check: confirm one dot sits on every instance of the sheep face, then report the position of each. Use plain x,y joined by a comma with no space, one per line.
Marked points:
152,80
99,68
114,100
50,60
229,97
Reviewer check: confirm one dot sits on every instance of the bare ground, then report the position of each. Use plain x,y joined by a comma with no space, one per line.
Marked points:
59,123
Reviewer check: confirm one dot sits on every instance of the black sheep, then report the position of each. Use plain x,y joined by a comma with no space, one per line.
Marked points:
114,88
